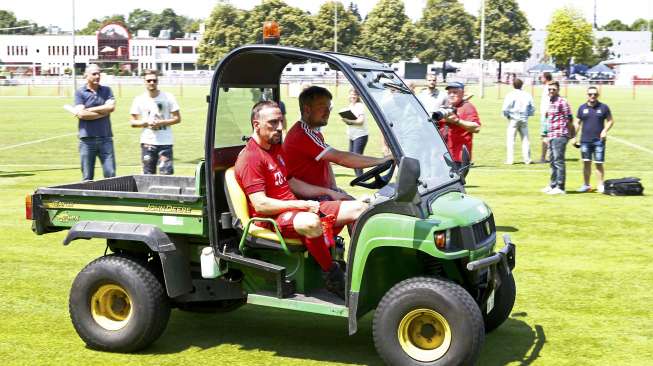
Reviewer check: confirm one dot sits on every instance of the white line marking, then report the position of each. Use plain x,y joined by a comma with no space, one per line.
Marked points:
36,141
635,146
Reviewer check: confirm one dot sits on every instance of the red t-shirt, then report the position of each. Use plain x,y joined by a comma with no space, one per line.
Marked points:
456,136
303,149
262,170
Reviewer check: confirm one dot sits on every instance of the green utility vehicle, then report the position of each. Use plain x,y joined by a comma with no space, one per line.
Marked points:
422,256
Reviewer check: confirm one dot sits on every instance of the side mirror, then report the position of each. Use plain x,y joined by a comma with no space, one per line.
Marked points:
464,169
407,179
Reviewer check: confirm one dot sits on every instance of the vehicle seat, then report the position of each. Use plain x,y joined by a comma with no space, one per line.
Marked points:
258,237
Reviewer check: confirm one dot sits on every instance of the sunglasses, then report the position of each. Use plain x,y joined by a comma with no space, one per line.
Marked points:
592,94
151,80
554,89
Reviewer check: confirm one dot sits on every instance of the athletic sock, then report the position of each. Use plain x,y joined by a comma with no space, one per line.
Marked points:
319,249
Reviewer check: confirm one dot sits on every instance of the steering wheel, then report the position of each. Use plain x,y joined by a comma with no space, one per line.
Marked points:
380,181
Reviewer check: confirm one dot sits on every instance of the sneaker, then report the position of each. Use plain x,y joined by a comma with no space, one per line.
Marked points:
546,189
335,280
584,188
556,190
528,162
600,188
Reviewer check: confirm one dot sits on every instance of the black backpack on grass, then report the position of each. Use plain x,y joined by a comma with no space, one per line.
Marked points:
623,187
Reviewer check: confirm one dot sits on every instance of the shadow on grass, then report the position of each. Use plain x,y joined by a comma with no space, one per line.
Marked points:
513,341
320,338
31,172
14,175
507,229
286,334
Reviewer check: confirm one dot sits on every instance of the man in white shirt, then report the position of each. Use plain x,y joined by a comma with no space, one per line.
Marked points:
517,107
431,97
155,112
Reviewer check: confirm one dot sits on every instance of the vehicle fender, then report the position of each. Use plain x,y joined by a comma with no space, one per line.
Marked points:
176,271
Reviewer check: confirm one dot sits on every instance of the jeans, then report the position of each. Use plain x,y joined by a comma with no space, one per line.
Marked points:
522,128
557,147
101,147
358,146
157,155
593,151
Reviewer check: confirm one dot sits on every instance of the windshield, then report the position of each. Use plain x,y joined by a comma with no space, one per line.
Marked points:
411,126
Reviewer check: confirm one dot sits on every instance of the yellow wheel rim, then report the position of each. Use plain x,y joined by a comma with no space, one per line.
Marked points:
111,307
424,335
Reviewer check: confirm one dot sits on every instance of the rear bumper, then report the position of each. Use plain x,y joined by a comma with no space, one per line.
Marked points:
505,256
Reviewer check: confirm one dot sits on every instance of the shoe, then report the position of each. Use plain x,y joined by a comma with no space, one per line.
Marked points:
556,190
546,189
584,188
600,188
335,280
528,162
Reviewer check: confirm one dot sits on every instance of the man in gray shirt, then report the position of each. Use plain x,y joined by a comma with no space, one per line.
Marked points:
517,107
431,97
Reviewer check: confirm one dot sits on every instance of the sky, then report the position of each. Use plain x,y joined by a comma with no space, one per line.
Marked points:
538,12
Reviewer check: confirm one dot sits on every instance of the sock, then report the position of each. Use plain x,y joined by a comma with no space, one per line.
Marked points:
319,250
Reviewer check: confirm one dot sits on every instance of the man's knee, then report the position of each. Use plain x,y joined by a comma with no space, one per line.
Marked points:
351,210
307,224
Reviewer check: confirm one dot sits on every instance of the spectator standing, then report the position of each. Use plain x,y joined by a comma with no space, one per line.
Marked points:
458,129
94,104
545,78
155,112
431,97
356,128
517,107
559,130
593,120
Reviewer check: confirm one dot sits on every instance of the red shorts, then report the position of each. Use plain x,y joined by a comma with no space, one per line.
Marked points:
285,219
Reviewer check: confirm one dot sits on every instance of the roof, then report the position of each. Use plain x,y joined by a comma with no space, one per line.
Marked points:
642,58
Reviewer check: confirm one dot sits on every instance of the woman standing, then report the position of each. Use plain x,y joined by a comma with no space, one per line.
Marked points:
356,128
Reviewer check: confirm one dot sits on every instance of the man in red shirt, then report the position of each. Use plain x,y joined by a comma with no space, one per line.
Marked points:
307,155
261,173
458,129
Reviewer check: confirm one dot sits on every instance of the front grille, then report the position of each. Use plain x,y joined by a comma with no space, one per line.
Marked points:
483,229
473,236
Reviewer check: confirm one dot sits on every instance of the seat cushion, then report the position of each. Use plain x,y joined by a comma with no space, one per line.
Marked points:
241,210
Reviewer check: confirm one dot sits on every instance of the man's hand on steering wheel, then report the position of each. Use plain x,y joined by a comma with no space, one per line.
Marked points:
379,180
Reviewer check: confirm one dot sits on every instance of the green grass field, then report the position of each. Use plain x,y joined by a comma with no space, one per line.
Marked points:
583,266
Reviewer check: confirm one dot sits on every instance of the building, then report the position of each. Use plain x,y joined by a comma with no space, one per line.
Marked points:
113,46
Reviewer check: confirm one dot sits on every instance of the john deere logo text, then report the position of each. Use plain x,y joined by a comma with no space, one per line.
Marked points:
67,218
168,209
59,204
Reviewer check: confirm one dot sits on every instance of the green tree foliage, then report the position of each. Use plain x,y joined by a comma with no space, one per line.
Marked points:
167,20
616,25
446,32
95,24
506,32
353,8
223,33
387,33
8,20
569,35
140,19
348,27
297,26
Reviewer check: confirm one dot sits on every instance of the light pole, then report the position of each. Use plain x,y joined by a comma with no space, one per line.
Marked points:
482,53
74,73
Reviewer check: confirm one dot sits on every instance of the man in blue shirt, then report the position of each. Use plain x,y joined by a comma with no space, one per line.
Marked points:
93,105
595,120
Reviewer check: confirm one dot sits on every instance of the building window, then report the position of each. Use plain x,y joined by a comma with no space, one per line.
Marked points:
313,68
301,69
174,49
288,68
187,49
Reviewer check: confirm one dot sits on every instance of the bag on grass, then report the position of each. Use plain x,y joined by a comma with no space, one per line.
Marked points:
623,187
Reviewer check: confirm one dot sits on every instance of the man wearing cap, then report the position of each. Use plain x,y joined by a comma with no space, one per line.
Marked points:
458,128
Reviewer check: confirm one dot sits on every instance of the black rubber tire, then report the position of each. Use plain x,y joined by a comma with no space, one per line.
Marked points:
504,299
149,304
446,298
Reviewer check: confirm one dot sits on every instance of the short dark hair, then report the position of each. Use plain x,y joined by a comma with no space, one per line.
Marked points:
260,106
547,76
309,94
557,84
150,72
517,83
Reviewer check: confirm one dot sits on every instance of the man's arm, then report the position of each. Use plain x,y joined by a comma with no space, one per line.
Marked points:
137,122
304,189
469,126
93,113
609,122
271,206
175,118
352,160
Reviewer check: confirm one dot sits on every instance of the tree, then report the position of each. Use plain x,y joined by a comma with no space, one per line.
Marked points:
167,20
616,25
569,35
507,35
387,33
223,33
8,20
297,26
94,25
348,27
446,32
140,19
353,8
641,24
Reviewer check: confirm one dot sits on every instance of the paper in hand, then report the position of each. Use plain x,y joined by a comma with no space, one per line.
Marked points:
347,114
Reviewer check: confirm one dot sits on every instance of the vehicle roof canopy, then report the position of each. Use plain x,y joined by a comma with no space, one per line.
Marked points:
262,65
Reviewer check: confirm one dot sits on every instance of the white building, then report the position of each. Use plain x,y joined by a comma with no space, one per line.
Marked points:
113,45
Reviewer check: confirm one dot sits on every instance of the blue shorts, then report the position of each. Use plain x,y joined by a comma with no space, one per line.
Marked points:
593,151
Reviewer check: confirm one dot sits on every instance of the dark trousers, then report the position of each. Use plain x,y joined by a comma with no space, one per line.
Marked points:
557,147
97,147
153,156
358,146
